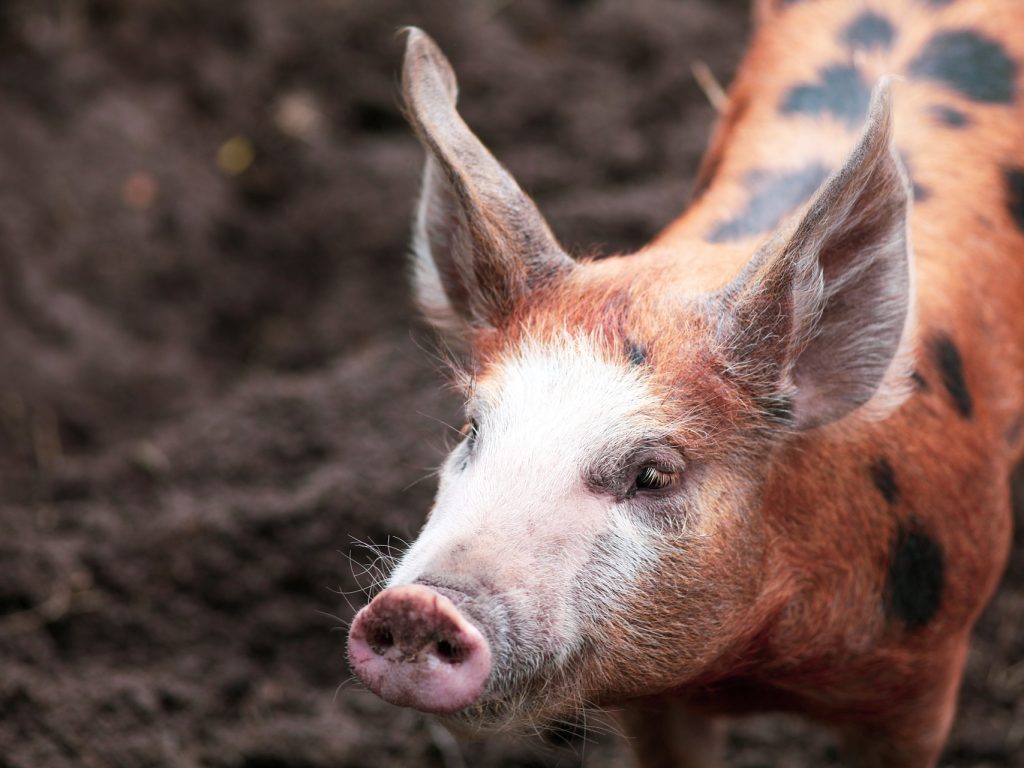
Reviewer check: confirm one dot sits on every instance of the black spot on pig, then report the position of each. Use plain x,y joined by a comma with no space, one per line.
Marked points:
970,63
916,578
937,3
949,116
840,91
920,382
885,480
869,30
951,369
773,195
636,353
1015,195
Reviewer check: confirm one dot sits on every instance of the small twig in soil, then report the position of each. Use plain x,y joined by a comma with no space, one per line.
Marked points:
709,85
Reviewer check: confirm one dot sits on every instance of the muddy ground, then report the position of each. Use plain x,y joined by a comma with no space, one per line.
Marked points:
211,383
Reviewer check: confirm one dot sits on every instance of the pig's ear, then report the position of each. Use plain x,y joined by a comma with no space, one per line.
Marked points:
480,244
819,322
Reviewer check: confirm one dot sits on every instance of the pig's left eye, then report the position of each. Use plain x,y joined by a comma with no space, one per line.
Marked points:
653,478
470,431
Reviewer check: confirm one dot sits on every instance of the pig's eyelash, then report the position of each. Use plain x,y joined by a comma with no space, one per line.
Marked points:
470,432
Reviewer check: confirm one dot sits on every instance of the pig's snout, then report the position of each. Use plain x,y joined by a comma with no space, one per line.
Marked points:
412,647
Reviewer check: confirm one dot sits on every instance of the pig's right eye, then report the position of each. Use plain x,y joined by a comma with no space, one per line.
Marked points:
653,478
470,431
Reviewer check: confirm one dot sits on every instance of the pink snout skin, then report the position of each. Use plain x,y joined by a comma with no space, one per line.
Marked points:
412,647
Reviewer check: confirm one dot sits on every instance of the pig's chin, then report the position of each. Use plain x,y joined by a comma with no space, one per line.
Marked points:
525,708
501,716
482,718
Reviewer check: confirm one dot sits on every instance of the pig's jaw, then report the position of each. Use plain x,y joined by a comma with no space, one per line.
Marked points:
513,704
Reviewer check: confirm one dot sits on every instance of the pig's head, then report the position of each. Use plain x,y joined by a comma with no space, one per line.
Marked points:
598,532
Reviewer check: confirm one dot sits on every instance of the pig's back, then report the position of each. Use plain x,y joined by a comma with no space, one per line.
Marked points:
797,108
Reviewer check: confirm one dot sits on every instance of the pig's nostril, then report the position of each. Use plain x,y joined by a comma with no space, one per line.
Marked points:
381,640
449,653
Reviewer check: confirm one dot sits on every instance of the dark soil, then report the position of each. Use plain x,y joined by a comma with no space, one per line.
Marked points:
211,383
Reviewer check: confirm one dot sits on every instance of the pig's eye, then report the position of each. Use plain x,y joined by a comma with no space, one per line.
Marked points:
652,478
470,431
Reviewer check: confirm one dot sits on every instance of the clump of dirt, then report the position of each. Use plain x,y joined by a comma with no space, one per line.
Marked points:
211,382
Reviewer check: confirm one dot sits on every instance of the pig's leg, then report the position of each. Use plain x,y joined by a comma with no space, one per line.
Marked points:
667,734
915,737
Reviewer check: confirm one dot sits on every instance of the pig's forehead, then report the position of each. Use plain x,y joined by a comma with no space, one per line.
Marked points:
569,382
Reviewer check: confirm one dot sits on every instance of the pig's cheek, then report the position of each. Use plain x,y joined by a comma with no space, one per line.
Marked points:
621,561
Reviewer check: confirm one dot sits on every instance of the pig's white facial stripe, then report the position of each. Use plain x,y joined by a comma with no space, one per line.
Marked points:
565,401
518,515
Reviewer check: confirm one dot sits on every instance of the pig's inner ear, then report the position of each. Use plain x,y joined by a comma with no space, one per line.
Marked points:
819,320
441,289
480,244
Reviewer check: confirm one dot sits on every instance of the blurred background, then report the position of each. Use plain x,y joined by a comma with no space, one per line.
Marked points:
212,383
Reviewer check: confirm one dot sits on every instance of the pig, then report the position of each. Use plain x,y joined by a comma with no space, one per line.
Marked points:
763,463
